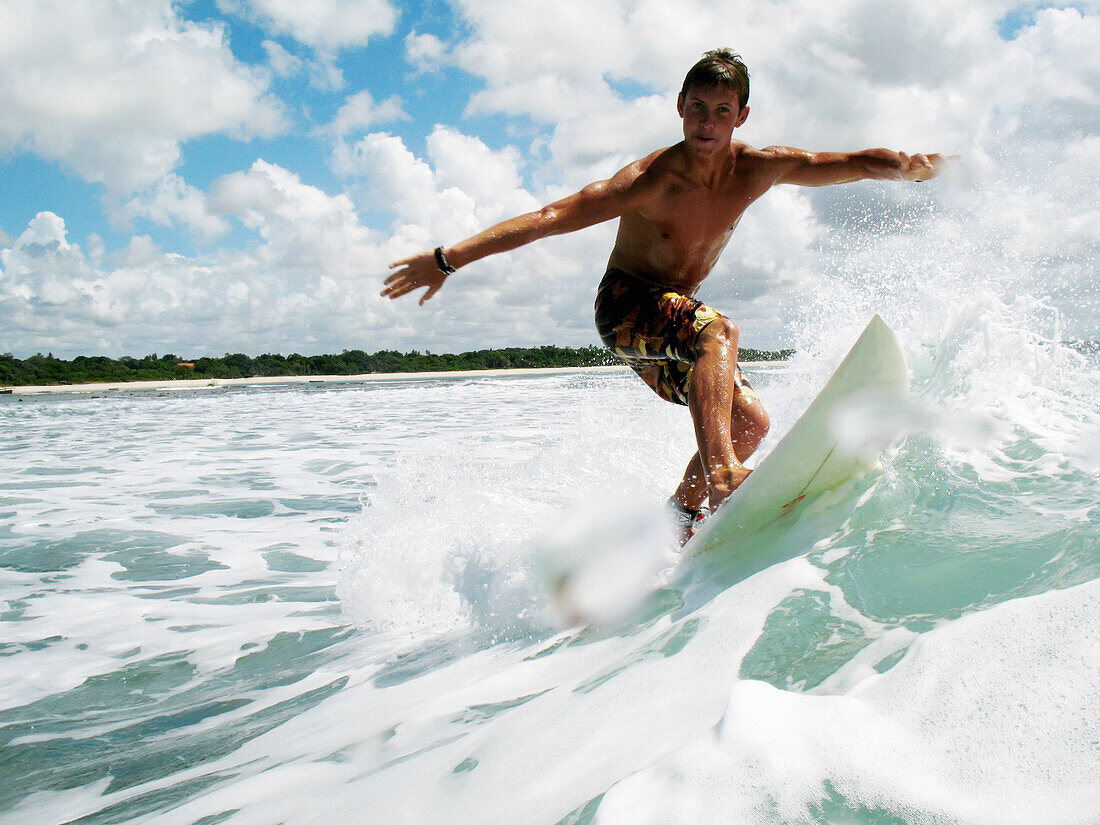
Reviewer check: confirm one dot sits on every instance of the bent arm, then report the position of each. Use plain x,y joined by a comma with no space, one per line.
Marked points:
804,168
596,203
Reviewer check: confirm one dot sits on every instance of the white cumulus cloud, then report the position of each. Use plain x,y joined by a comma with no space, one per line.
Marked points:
282,62
169,201
463,185
360,112
426,52
110,89
308,283
322,24
303,228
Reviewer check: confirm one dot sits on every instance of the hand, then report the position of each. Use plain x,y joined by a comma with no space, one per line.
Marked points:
418,271
919,168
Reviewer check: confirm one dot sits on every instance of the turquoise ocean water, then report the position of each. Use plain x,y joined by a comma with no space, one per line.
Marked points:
321,604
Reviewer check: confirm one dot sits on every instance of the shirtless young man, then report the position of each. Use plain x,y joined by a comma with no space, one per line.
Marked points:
677,209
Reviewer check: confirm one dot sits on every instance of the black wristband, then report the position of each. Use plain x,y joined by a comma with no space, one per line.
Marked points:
441,262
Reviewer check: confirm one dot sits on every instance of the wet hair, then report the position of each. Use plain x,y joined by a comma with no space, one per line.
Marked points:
720,68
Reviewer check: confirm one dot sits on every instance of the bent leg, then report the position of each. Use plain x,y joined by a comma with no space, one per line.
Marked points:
710,399
749,424
687,353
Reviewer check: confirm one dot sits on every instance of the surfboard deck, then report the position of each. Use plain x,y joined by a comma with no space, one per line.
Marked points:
813,458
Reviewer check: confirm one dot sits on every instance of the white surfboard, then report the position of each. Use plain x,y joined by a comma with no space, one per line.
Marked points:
601,571
814,457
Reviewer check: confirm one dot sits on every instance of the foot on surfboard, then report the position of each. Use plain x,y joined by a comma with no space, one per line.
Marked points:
723,490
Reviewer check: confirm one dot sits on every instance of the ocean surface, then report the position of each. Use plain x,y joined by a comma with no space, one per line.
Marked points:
323,604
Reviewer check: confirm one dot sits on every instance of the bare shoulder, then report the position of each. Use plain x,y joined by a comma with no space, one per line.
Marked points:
646,174
781,152
655,164
772,155
767,166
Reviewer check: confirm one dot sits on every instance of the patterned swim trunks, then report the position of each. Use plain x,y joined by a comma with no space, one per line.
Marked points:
655,331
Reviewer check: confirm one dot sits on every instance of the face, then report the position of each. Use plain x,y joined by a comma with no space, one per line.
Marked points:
710,116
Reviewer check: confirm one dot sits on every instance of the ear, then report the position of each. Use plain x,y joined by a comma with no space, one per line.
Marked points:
680,104
742,117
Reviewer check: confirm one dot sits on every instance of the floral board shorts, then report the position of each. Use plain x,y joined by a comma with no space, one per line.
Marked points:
655,331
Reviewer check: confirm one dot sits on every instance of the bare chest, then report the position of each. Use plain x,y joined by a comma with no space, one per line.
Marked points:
696,214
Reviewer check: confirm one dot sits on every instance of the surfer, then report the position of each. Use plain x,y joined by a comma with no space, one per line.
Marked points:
677,209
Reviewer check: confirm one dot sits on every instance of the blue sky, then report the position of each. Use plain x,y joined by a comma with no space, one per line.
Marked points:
234,175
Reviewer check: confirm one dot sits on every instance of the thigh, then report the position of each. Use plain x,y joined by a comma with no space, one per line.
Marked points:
654,330
669,379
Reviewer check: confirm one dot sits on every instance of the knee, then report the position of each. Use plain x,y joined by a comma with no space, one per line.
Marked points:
721,333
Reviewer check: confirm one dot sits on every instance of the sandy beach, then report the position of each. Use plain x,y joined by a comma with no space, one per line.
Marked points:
207,383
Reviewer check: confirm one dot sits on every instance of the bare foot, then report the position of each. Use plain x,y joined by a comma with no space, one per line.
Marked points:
721,490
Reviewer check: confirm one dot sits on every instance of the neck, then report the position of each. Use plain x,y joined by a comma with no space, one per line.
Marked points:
706,168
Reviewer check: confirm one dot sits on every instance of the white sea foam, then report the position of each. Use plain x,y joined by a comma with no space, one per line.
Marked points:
448,538
992,719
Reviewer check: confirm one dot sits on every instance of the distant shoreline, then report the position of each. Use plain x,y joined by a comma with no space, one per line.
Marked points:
47,371
366,378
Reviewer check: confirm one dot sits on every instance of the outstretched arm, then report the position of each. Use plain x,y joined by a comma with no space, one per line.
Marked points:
596,203
824,168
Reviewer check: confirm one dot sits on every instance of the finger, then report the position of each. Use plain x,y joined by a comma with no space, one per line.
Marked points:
394,277
402,262
396,289
432,290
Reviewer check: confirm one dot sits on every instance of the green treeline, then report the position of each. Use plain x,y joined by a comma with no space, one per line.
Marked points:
45,369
